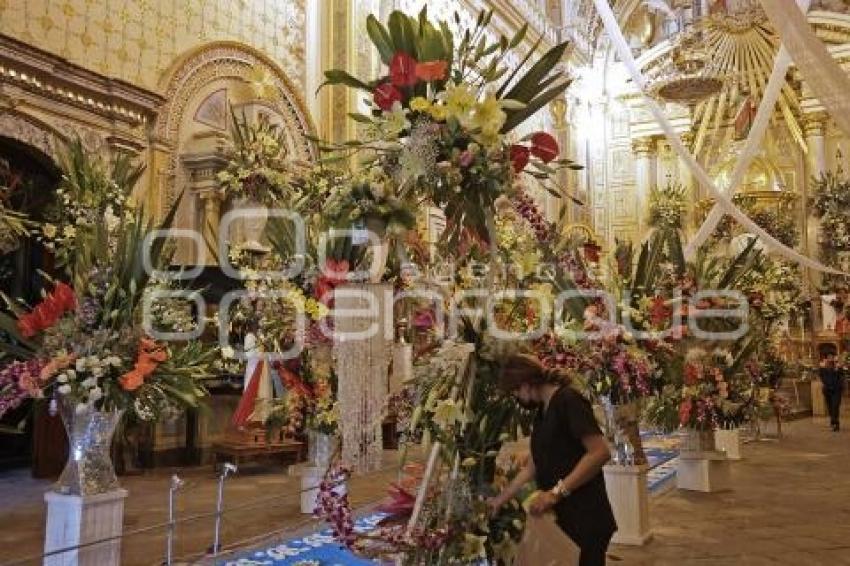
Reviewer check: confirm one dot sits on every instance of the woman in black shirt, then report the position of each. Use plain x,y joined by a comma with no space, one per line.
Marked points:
568,451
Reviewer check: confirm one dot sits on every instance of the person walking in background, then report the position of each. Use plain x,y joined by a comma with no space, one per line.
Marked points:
568,451
832,379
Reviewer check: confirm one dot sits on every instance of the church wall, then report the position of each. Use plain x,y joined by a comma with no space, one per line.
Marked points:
138,41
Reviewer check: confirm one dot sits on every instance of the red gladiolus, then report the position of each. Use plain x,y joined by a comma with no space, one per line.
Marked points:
684,412
519,157
28,326
432,71
659,312
692,374
386,95
544,147
403,70
334,273
65,296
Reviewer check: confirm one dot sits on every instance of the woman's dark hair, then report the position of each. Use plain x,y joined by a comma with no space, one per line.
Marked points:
519,369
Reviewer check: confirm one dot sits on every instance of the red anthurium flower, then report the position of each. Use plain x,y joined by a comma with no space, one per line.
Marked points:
403,70
544,147
432,71
385,95
519,157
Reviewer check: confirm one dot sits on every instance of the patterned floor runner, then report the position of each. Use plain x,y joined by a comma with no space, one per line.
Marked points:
320,549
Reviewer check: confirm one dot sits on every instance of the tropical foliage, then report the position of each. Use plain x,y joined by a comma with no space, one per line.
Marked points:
439,121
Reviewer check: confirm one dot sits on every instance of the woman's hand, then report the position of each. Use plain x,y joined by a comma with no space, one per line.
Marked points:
543,502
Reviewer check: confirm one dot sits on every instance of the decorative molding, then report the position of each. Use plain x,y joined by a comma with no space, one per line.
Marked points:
59,80
30,132
814,124
644,147
228,60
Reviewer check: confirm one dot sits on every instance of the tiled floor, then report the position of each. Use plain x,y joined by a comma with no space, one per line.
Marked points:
790,506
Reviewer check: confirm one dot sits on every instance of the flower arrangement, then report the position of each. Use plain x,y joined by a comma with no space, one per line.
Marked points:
87,334
667,207
830,206
440,117
14,225
257,167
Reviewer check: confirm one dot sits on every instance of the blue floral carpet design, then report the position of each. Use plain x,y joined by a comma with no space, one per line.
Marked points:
322,550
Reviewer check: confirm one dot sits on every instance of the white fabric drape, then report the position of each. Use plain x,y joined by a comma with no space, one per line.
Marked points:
619,42
819,68
751,147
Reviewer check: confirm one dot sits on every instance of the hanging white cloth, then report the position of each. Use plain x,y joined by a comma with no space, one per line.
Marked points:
625,54
822,73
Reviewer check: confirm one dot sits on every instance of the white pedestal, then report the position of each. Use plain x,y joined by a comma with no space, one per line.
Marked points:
703,471
629,497
728,441
818,402
73,520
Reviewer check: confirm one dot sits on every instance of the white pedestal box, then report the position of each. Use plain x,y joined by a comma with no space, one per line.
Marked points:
818,402
629,497
707,471
74,520
728,441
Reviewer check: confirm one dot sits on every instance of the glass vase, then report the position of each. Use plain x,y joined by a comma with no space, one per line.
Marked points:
89,469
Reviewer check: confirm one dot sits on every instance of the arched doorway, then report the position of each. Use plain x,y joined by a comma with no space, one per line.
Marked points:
28,435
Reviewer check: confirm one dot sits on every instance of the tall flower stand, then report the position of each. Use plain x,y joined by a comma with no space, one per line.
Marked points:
74,520
818,402
362,354
86,504
729,442
629,497
701,466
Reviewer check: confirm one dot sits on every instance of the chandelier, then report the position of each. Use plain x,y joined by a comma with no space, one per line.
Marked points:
685,78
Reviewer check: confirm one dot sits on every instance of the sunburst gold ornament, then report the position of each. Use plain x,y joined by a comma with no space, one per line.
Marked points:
262,83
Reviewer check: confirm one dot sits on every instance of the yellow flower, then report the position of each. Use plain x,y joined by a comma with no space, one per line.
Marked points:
489,116
447,413
438,112
49,230
473,547
420,104
459,101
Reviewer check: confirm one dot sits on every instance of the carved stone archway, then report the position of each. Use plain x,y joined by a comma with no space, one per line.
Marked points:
31,132
226,60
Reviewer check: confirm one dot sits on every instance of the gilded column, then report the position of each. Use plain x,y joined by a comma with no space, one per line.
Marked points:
338,30
211,199
814,130
686,179
645,152
554,205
